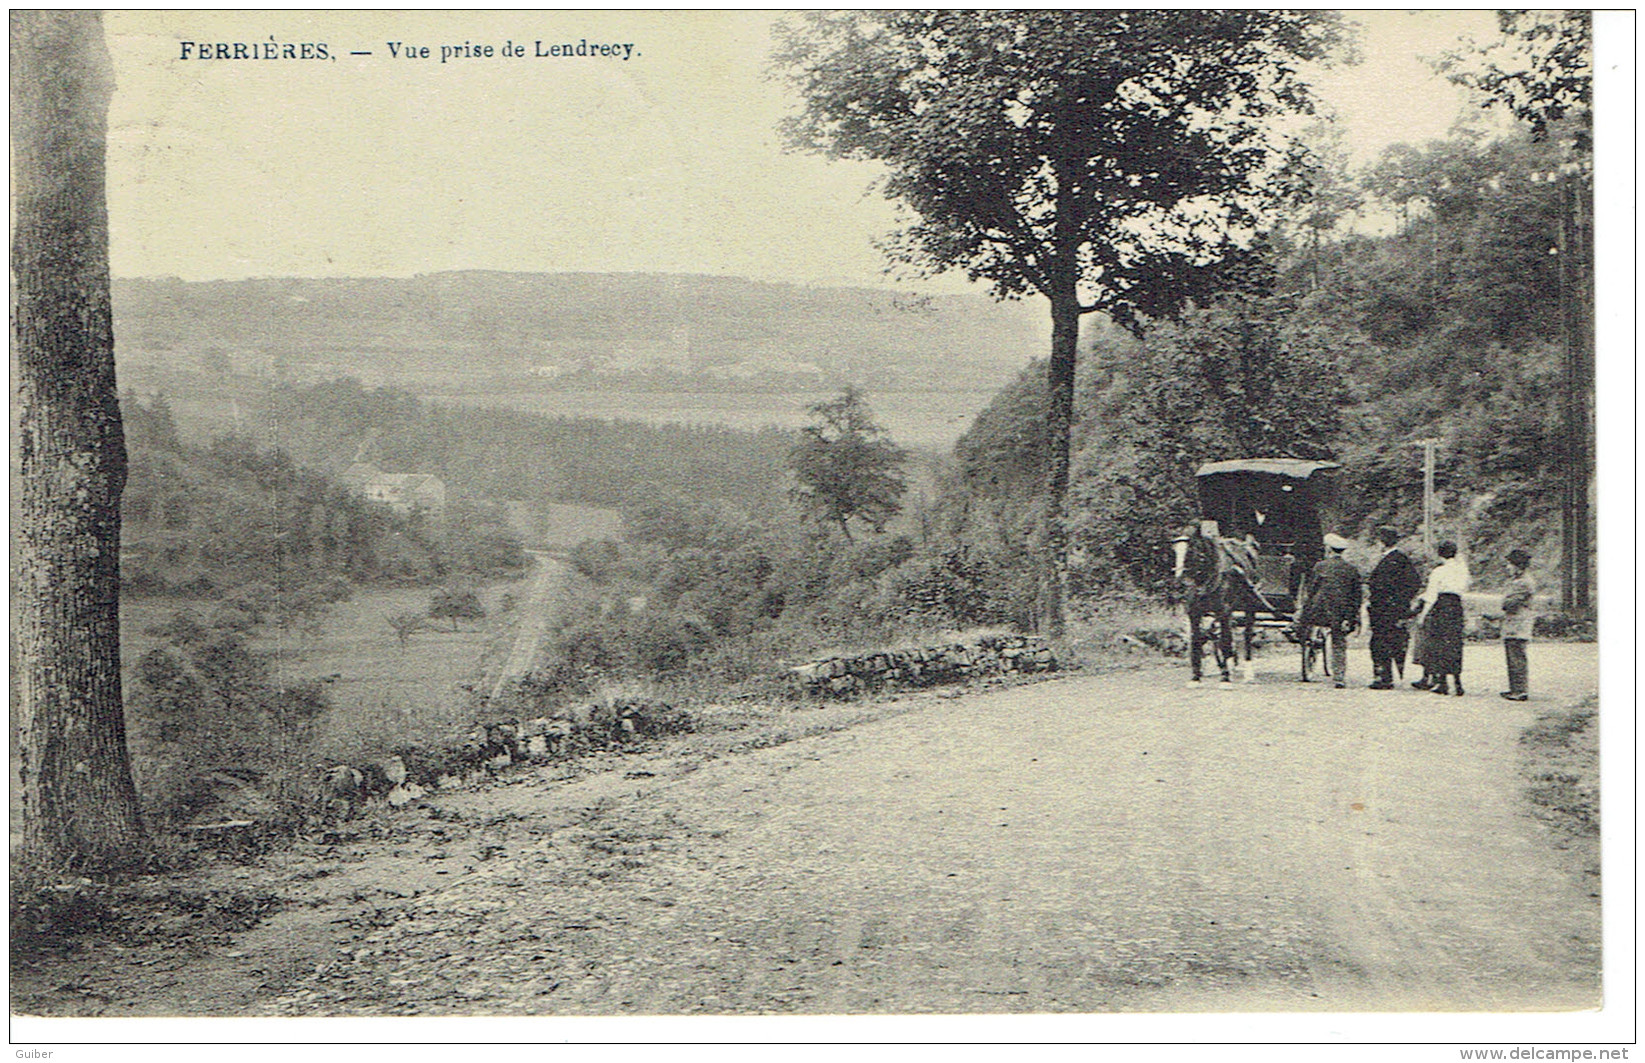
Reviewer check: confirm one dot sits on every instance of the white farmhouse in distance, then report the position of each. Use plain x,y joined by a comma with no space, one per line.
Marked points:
403,492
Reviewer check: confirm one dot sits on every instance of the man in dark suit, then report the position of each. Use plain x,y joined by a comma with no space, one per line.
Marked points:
1331,601
1392,584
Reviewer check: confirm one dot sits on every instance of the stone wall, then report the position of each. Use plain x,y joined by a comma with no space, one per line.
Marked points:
926,666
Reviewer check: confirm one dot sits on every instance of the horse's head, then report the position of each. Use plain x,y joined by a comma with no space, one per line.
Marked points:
1195,555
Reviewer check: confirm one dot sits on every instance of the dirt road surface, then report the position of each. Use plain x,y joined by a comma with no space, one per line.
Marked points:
1091,843
536,610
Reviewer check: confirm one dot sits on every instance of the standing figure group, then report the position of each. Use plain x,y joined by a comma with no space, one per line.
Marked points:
1396,598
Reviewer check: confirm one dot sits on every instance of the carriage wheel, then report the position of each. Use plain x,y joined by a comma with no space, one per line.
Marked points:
1313,649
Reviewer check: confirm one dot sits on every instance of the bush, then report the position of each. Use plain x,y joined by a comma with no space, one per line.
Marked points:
964,587
662,642
1569,628
206,713
599,560
478,539
454,604
182,629
234,614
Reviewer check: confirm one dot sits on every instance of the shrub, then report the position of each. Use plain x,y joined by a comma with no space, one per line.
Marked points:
183,629
662,642
234,614
964,587
454,604
598,560
207,714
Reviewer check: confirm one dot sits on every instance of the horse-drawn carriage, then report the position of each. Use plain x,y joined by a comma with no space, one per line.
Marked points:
1260,534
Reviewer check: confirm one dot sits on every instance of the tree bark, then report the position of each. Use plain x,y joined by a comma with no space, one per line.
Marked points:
1059,421
79,802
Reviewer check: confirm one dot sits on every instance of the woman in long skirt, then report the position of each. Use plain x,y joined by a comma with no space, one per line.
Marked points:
1442,621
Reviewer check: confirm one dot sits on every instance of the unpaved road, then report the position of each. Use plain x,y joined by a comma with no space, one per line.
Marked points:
1092,843
535,612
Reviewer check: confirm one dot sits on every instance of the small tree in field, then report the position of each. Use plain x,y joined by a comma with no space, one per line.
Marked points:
404,626
845,467
454,604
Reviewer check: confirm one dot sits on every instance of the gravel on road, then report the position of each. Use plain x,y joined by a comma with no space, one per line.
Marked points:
1108,842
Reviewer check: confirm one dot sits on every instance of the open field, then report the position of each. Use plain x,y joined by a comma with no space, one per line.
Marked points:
382,695
392,696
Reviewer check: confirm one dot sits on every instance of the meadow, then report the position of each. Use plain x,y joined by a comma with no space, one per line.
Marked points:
382,694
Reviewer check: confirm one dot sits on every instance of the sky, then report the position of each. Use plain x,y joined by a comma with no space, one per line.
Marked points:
668,160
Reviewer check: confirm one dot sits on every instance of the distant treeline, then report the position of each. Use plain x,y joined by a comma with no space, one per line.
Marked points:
460,323
210,520
496,453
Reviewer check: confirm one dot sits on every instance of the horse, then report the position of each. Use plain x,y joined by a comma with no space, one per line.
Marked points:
1216,575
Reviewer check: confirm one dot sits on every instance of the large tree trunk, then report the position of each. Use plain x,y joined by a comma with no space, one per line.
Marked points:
1059,421
79,803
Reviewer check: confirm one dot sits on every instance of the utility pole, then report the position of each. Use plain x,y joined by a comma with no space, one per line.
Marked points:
1573,252
1428,447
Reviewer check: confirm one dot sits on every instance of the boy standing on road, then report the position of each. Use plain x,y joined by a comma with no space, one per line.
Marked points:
1517,621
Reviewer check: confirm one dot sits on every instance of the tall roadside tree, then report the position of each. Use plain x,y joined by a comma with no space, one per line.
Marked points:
79,802
844,466
1541,69
1112,161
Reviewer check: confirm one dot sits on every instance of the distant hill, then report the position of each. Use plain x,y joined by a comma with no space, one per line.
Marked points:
543,326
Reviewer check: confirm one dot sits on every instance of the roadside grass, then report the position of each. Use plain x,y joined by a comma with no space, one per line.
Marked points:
1560,760
1122,633
1562,765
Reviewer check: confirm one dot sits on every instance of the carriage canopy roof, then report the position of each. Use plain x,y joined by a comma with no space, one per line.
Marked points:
1295,468
1275,500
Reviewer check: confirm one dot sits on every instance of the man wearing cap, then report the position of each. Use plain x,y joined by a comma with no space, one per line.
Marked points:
1331,600
1389,590
1517,621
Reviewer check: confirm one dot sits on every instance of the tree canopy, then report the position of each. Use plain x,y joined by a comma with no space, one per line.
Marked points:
1118,151
844,466
1540,69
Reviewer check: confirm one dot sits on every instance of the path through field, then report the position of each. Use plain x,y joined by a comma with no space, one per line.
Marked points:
1092,843
535,611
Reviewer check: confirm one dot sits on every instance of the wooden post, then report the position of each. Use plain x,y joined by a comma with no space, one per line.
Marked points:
1428,447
